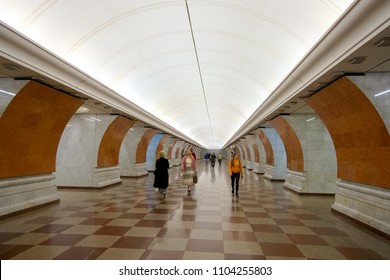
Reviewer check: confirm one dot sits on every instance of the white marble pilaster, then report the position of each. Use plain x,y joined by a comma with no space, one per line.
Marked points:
106,176
77,153
320,163
367,204
21,193
296,180
278,171
127,155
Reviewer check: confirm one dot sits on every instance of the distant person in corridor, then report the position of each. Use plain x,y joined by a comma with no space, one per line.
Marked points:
235,171
188,167
161,175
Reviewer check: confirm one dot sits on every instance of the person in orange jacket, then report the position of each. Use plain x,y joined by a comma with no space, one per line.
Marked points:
235,171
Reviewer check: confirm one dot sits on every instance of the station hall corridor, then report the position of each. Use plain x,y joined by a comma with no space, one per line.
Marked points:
132,221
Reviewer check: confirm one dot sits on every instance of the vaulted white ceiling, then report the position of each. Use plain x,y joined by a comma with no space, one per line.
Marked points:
201,66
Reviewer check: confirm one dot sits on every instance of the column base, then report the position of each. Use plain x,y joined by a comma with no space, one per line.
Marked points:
366,204
22,193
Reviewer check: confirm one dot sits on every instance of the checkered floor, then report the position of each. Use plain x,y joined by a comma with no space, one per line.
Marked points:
132,221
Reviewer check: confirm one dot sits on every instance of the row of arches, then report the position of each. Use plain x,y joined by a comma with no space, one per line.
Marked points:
342,148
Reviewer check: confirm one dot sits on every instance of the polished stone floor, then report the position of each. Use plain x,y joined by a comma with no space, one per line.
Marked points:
132,221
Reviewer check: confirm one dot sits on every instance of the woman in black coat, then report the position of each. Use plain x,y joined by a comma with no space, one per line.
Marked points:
161,176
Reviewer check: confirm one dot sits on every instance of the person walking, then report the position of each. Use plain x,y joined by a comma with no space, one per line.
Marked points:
188,167
212,159
235,171
220,157
161,175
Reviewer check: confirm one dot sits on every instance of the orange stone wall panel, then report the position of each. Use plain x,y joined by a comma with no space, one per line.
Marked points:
143,144
170,149
269,152
256,152
31,128
359,134
294,153
161,144
108,154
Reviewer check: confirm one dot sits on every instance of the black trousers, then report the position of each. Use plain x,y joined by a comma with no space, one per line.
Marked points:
235,178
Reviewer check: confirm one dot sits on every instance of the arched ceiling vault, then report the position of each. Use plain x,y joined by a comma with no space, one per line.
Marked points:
217,60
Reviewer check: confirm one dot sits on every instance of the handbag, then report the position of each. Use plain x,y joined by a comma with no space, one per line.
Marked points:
195,179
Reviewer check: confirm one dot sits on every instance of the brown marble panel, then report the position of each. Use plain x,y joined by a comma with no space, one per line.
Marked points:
31,128
108,154
169,154
294,153
256,152
161,145
269,152
143,144
359,134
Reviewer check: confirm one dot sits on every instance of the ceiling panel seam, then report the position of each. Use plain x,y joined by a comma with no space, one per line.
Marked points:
199,69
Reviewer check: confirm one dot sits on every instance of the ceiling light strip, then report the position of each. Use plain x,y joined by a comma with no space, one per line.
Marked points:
200,72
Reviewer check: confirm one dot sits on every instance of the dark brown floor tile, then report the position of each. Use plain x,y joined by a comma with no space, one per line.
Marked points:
80,253
84,214
162,255
151,223
116,209
327,231
281,250
10,251
73,208
359,253
64,239
266,228
306,217
276,210
133,242
243,257
198,245
162,211
174,233
256,215
184,218
112,230
288,222
96,221
307,239
5,236
239,236
52,228
42,220
132,216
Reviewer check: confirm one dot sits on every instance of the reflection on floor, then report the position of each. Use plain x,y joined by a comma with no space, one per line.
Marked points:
132,221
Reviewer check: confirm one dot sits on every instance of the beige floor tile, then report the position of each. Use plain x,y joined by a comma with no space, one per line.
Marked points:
320,252
143,231
172,244
236,227
206,234
123,222
121,254
41,253
273,237
188,255
30,238
297,230
102,241
242,247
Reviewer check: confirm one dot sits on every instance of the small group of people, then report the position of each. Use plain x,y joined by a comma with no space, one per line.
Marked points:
188,169
189,174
